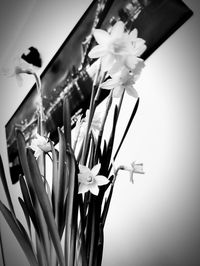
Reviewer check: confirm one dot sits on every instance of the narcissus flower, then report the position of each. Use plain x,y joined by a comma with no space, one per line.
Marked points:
124,80
39,145
18,67
135,168
118,48
89,180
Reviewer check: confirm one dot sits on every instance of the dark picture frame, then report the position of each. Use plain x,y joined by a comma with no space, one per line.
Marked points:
70,72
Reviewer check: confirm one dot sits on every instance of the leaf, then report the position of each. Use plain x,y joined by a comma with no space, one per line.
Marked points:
72,208
2,250
5,186
45,204
93,232
54,176
19,234
28,203
107,151
39,215
107,204
26,214
62,180
81,233
67,120
21,145
98,258
127,127
40,252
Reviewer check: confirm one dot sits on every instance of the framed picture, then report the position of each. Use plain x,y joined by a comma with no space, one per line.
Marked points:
71,72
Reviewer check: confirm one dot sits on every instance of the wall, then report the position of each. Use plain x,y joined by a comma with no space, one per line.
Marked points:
156,220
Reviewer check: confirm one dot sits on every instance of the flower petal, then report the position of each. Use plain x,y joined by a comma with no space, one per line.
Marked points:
94,189
137,168
101,180
95,169
131,61
82,188
139,49
19,80
117,92
117,30
133,35
37,153
132,91
97,51
83,169
107,62
101,36
82,178
45,147
109,84
116,67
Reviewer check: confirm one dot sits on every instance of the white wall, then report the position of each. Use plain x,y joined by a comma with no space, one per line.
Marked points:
156,221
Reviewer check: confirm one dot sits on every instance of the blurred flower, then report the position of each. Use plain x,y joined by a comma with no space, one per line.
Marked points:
40,144
95,125
18,67
89,180
118,48
135,168
124,80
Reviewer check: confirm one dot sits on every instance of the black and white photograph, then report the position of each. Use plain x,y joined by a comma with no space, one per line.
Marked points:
99,133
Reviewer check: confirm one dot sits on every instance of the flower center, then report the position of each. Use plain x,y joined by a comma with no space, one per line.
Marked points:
119,46
89,179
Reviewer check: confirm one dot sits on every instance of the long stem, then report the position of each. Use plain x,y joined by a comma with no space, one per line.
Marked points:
91,112
41,111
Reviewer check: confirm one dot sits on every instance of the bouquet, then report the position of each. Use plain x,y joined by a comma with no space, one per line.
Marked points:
66,218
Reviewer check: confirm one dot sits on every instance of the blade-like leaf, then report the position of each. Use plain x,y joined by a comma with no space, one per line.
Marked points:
100,246
25,166
62,181
28,203
54,177
72,207
2,250
40,252
5,186
45,204
127,128
26,214
106,205
19,234
67,119
105,159
81,231
21,145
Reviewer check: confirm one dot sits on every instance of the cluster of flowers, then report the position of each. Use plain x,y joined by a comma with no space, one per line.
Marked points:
118,53
76,207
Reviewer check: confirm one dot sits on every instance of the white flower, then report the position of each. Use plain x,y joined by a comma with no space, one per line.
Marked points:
89,180
124,80
40,144
135,168
18,67
118,48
